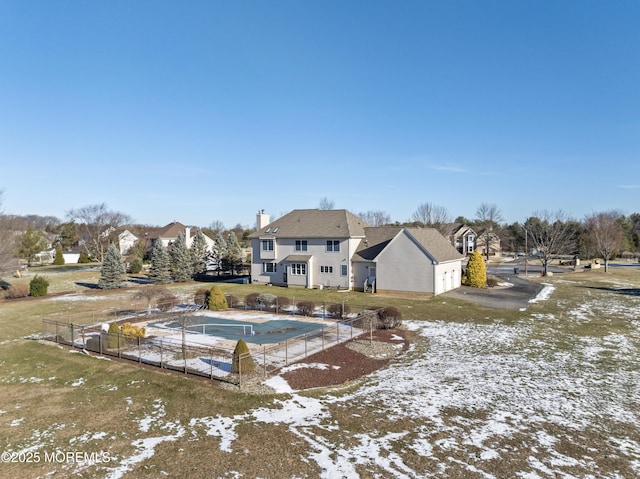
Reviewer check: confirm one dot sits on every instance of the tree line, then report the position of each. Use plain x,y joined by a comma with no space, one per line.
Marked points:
605,234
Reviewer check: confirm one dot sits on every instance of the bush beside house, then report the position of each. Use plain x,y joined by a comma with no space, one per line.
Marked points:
476,275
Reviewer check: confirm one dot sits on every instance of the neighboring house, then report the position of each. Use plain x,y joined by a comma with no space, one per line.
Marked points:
466,240
463,238
335,248
169,233
495,247
126,241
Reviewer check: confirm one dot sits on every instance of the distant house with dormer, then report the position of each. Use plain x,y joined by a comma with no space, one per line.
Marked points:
169,233
336,249
466,240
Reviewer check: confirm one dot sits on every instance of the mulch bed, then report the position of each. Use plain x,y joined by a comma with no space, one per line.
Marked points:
351,364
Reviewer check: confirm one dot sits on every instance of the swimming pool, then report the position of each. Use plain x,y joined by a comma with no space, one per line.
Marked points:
273,331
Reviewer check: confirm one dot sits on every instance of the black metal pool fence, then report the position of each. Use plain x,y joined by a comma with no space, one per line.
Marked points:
207,361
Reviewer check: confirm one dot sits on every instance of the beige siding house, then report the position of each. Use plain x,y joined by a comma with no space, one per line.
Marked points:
168,234
307,248
336,249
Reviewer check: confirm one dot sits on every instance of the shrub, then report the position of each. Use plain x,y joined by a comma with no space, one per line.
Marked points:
244,365
84,258
389,318
306,308
200,297
113,336
59,259
266,300
251,299
17,291
133,331
167,301
38,286
492,282
135,266
337,310
232,301
281,303
476,276
216,299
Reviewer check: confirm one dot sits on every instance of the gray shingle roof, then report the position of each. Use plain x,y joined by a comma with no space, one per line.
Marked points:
436,244
377,239
315,224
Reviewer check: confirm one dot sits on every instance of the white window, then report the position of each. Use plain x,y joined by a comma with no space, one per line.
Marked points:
343,269
269,267
301,245
298,269
333,245
267,245
326,269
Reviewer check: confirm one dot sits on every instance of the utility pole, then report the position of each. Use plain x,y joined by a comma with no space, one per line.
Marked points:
526,248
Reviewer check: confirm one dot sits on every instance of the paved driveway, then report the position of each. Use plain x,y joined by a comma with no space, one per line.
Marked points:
515,298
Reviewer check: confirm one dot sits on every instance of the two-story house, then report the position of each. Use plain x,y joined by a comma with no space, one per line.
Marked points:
337,249
168,234
466,240
309,248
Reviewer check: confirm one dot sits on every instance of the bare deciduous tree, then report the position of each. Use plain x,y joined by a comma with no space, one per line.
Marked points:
551,234
98,227
326,204
488,217
216,227
433,216
605,233
150,294
375,217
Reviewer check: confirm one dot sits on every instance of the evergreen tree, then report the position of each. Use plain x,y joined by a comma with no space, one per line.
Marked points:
68,235
181,263
234,253
38,286
84,258
30,243
244,365
112,273
476,271
59,259
216,299
220,251
160,271
113,336
199,254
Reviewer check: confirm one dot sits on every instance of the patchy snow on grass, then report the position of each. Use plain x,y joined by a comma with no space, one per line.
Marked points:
78,382
16,422
221,427
145,447
545,294
278,384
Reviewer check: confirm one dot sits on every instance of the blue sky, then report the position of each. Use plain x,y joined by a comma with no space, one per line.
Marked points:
210,110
